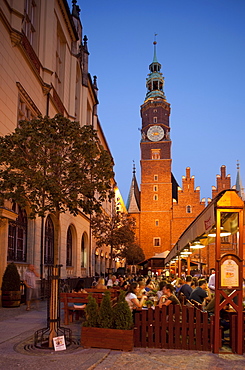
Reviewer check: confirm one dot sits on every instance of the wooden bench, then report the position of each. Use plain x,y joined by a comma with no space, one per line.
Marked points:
69,299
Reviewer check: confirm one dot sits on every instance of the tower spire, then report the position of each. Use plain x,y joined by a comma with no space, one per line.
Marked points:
238,185
155,49
155,79
133,203
134,168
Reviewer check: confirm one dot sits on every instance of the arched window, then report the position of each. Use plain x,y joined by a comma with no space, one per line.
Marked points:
155,154
188,209
49,241
83,250
17,236
96,262
69,247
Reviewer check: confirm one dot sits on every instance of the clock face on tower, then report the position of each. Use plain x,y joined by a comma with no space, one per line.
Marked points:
155,133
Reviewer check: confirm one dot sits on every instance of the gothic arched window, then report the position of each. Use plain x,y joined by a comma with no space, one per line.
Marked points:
49,241
69,247
17,236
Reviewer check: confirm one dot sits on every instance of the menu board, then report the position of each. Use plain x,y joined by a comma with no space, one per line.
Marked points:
59,343
229,273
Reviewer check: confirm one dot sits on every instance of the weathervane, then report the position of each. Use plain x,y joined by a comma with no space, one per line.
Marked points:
155,39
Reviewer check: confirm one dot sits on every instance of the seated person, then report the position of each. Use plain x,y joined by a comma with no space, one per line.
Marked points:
131,297
142,290
178,284
168,296
122,283
79,288
112,281
194,282
186,288
101,284
149,285
160,291
224,323
200,292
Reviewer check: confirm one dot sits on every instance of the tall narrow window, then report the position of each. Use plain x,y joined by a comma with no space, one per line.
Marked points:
17,236
155,188
156,222
30,21
60,61
69,247
155,197
49,242
188,209
83,251
154,119
156,242
96,262
155,177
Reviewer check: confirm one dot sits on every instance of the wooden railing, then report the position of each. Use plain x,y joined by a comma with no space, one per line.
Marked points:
173,327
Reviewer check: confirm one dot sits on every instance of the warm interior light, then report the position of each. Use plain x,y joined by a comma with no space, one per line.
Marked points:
223,232
185,253
197,245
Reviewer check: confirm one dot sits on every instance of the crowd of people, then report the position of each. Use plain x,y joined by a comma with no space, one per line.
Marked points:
161,290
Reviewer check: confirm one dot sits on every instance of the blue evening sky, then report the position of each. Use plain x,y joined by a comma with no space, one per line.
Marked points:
201,46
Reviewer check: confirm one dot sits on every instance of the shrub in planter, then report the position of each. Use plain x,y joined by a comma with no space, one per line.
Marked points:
106,312
123,318
92,313
114,325
11,294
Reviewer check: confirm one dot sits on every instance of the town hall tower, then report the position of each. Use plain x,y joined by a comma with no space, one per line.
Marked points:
154,205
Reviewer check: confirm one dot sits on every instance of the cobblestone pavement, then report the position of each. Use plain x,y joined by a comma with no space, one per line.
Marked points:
17,327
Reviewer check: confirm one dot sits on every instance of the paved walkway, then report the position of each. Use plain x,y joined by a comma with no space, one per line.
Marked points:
17,327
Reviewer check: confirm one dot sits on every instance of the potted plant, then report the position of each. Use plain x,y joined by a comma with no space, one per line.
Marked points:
11,294
107,326
149,303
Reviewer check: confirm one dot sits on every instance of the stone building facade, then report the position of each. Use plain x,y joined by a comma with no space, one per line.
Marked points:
44,71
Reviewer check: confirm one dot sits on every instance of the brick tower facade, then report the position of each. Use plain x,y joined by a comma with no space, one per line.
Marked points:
161,209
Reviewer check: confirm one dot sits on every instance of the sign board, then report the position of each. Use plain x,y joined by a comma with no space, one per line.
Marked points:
59,343
229,272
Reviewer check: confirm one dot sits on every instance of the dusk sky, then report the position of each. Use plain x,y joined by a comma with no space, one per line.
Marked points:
201,47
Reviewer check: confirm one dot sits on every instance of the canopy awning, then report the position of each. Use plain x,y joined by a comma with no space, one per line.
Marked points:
202,224
160,256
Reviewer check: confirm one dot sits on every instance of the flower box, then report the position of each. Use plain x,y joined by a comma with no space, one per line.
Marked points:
107,338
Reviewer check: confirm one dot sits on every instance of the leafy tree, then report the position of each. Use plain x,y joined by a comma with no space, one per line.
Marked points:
55,165
133,254
116,232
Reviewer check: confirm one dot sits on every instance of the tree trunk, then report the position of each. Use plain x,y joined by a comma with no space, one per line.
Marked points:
56,236
54,282
110,261
53,309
